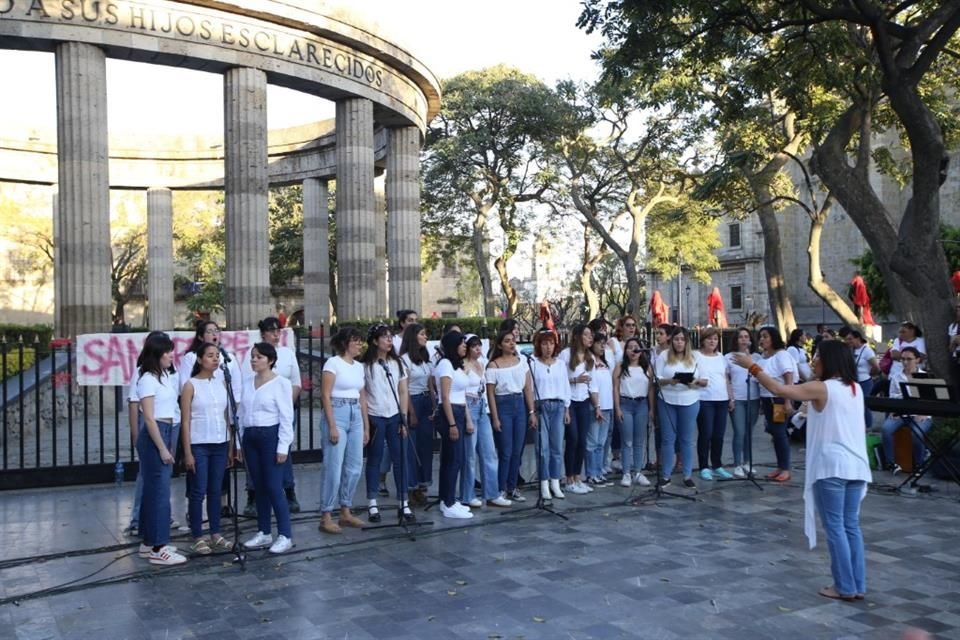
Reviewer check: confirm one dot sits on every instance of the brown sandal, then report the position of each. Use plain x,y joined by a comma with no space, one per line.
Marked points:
329,526
773,474
832,593
783,476
347,519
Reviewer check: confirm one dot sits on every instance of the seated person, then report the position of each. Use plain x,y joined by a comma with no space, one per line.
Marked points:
910,359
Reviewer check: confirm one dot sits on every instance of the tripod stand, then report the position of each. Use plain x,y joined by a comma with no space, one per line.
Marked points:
541,503
657,492
751,476
238,556
403,521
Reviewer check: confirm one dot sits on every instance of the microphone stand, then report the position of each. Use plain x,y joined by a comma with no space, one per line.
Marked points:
751,477
239,557
541,504
657,492
402,521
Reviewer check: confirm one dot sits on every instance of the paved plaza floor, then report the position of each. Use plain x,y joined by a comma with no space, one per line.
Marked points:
731,564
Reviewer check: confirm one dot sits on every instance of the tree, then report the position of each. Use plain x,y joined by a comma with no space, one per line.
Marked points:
285,210
852,69
484,161
128,267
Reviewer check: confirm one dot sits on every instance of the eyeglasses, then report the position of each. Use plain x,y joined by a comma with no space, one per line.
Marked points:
211,332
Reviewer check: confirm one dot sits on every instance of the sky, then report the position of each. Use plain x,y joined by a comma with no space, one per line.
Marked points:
449,37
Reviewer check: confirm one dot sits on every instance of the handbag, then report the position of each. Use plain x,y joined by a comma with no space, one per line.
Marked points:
886,361
779,411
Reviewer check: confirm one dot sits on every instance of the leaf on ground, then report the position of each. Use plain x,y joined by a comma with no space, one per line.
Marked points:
431,618
462,582
664,579
258,602
451,592
494,636
784,609
264,619
539,619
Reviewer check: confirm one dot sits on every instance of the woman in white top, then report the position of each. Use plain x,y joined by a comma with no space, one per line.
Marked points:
837,469
345,428
778,365
679,373
206,448
510,395
908,335
266,433
910,358
715,405
600,426
479,442
746,404
865,361
584,405
422,391
157,394
796,347
207,331
553,397
453,421
632,406
387,402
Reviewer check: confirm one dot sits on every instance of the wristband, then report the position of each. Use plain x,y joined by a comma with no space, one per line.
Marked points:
452,425
754,369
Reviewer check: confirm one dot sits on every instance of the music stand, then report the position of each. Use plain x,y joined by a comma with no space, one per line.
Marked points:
933,390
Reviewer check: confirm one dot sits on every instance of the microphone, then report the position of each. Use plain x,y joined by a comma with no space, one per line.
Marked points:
223,354
528,356
386,369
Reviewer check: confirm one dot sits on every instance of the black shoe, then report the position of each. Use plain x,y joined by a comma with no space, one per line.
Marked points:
664,482
373,514
226,511
408,516
689,483
383,489
292,500
250,510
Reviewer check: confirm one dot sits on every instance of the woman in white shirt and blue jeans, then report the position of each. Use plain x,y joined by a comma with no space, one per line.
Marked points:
679,404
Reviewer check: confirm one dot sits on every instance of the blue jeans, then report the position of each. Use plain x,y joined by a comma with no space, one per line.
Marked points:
745,414
678,423
838,502
155,508
342,462
778,432
510,439
575,436
712,422
596,439
260,456
451,453
479,444
211,463
138,487
288,481
633,433
867,387
891,425
550,425
422,435
385,432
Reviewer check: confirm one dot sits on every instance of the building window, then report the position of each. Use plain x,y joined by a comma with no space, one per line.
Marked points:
449,270
736,297
734,234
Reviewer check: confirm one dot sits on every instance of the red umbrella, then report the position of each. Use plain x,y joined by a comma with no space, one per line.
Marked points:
861,299
718,317
955,279
546,318
659,310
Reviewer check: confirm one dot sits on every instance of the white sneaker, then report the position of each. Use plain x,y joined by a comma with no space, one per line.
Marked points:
166,558
641,480
500,501
625,480
145,550
282,545
476,503
578,488
738,472
459,506
555,489
454,513
259,541
616,464
586,488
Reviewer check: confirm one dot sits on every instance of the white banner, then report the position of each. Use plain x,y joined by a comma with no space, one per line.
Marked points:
110,359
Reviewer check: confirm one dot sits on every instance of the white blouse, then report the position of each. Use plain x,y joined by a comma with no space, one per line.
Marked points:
636,384
862,358
165,394
579,391
603,377
507,380
678,394
551,381
208,424
271,404
236,379
418,380
776,366
714,369
740,377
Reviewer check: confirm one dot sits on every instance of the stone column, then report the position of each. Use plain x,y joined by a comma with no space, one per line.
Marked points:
83,204
245,191
58,274
403,220
356,288
160,258
316,253
380,248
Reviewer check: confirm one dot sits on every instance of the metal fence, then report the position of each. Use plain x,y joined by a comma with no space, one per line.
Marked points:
55,432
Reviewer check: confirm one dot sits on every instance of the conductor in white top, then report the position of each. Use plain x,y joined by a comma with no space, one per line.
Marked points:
837,469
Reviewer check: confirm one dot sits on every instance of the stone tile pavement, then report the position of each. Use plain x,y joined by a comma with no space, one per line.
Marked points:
732,564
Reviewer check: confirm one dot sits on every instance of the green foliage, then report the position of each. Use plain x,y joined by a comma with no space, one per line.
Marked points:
32,335
285,209
682,237
10,356
476,325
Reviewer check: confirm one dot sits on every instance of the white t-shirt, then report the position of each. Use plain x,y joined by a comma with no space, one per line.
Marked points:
776,366
636,384
738,379
459,382
917,343
349,378
714,369
507,380
862,357
579,391
208,424
165,393
381,401
603,378
803,367
418,375
679,394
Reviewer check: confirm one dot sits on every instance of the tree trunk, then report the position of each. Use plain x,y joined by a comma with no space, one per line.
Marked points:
500,264
633,286
781,307
820,286
481,255
586,272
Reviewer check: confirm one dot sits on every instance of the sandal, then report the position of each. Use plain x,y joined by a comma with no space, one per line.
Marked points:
783,476
201,547
329,526
773,474
220,543
832,593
